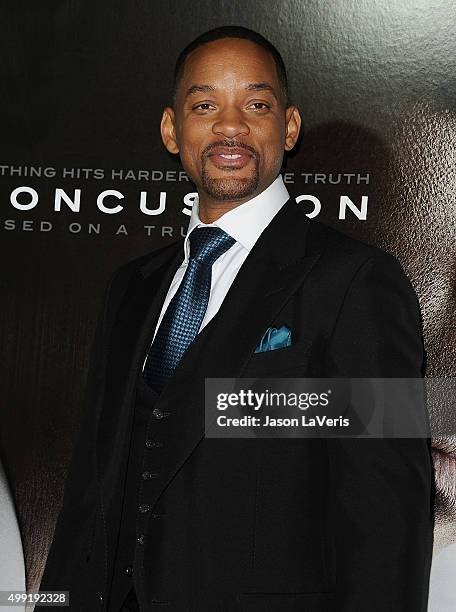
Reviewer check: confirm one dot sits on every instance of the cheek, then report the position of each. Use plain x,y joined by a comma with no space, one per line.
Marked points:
190,159
191,142
271,159
188,155
272,139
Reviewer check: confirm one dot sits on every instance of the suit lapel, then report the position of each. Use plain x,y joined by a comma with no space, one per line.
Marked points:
129,337
273,271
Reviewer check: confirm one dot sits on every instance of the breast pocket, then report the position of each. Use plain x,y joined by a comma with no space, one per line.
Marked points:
292,359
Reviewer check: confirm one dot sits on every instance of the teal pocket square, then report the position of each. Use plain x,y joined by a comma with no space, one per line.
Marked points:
274,338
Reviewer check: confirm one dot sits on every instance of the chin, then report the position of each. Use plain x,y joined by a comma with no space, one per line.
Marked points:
230,188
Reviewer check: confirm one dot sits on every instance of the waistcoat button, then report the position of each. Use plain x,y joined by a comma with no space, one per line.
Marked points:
153,444
149,475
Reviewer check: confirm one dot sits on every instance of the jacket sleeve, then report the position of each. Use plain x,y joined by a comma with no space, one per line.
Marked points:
72,535
383,487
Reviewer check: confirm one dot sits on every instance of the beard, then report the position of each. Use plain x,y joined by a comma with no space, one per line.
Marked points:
230,188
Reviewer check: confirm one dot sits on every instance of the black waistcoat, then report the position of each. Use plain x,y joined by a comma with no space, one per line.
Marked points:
145,453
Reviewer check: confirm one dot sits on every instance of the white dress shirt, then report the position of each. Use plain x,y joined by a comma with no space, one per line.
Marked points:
244,223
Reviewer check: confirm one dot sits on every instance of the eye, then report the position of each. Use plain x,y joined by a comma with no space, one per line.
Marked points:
259,106
202,106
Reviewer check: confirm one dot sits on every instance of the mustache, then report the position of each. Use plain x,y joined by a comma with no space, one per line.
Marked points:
229,143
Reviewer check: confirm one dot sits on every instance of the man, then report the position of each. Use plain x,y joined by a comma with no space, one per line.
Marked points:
157,515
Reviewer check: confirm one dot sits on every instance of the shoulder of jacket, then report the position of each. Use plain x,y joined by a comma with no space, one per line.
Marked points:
133,266
337,245
121,277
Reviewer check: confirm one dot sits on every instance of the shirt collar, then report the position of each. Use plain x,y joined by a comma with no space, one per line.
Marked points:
246,222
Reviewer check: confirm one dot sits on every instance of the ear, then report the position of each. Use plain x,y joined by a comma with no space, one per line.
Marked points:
293,126
168,130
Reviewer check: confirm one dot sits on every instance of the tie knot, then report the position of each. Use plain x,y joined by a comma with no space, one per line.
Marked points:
208,243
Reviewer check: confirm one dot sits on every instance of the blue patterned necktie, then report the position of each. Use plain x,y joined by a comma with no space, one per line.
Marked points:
183,317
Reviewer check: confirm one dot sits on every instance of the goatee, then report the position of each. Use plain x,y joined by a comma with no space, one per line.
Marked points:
229,187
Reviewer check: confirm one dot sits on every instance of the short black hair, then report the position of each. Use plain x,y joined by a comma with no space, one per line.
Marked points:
232,32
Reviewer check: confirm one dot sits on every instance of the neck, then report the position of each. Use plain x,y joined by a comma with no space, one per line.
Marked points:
210,211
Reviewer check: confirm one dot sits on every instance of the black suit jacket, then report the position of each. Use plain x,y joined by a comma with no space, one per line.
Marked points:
258,524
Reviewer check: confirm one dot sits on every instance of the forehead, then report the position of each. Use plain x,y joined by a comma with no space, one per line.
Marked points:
229,60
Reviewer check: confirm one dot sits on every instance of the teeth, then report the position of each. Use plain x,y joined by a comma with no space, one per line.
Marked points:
232,156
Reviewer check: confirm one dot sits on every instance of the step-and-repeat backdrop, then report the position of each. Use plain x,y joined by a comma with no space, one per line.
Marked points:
86,185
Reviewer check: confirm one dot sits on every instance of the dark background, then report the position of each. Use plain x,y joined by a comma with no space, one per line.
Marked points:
83,85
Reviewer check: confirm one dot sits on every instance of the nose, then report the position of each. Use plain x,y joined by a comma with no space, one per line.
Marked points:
230,123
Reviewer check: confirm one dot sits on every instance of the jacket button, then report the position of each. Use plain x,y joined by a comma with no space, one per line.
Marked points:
129,570
157,413
144,508
140,539
100,598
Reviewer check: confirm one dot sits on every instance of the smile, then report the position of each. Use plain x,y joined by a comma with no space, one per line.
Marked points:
225,158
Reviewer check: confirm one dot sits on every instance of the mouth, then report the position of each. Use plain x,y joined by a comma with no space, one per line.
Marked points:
230,158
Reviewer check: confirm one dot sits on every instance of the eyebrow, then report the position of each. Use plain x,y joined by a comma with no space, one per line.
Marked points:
199,89
262,87
194,89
